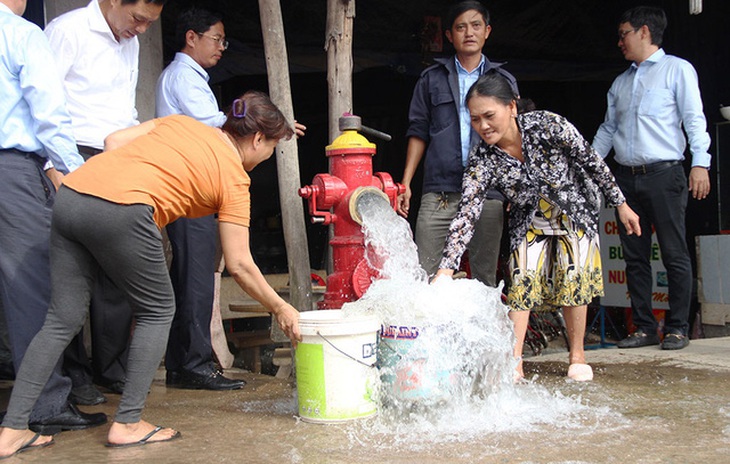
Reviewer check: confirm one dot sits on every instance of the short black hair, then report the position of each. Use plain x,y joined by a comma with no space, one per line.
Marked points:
460,8
650,16
194,19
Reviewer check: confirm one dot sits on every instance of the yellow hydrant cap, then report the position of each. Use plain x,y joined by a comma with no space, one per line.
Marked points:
350,139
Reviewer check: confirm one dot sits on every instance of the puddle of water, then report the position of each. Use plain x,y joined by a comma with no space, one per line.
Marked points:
631,413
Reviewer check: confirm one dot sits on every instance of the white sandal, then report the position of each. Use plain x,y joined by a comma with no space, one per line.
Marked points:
580,372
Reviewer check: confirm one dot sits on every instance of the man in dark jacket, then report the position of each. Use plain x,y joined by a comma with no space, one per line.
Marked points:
440,130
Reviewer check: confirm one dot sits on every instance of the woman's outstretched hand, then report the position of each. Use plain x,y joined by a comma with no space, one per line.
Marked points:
442,272
288,319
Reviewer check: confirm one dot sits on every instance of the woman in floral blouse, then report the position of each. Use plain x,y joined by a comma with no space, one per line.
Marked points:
553,180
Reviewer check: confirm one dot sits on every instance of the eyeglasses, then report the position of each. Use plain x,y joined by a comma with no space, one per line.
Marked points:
622,34
221,40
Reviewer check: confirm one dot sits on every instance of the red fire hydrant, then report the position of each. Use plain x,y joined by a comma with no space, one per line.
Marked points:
333,200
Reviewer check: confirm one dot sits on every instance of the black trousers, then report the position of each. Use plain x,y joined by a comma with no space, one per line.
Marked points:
26,200
659,197
192,273
111,321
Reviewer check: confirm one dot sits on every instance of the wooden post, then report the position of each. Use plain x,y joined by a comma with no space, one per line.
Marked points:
338,44
287,162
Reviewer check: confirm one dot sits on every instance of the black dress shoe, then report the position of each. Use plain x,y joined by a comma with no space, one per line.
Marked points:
113,387
193,381
674,341
637,339
70,419
87,395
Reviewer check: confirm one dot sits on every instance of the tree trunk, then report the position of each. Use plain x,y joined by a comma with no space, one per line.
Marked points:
287,162
338,44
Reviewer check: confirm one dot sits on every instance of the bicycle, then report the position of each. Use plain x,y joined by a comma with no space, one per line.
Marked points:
544,327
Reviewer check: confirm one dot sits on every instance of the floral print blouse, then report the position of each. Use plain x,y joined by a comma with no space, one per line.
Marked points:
560,165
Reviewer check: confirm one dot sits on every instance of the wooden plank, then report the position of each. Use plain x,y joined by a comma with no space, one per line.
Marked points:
248,307
250,339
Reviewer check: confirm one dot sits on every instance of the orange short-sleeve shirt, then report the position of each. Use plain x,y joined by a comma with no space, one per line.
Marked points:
182,168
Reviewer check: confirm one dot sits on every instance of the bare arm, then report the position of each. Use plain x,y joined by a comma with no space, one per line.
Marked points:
243,269
124,136
414,155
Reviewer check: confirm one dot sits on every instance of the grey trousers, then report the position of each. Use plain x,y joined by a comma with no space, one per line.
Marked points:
432,226
26,201
88,234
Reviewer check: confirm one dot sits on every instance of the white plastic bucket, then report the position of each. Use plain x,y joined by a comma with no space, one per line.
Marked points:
335,366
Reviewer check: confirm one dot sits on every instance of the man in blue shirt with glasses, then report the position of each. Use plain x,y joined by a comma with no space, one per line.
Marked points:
183,89
649,105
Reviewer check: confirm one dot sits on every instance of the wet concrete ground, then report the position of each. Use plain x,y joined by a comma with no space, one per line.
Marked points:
644,405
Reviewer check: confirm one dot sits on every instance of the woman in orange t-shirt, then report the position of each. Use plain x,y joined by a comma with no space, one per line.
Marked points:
108,214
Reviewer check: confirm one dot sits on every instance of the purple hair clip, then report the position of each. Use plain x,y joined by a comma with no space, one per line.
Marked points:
236,114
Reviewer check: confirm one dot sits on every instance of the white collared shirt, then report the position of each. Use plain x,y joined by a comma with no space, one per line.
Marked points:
99,73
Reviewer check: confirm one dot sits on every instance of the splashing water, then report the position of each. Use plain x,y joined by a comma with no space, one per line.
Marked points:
389,246
440,344
445,351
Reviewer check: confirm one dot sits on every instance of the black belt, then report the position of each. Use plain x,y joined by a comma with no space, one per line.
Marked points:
27,154
87,152
647,168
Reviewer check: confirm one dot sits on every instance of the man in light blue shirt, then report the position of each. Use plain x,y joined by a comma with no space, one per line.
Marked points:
183,89
36,145
649,105
183,86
